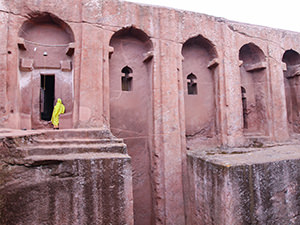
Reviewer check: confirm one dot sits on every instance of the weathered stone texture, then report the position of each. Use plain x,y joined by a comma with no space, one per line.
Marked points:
3,68
246,186
48,180
222,65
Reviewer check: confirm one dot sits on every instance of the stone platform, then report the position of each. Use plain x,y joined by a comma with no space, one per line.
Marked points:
245,185
80,176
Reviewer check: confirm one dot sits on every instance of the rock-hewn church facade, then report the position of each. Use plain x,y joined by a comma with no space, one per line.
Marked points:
207,108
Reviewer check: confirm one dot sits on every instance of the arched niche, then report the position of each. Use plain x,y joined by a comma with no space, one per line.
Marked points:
292,88
254,89
46,47
200,76
130,88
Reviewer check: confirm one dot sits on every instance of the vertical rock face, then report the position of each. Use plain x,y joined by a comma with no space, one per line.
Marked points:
245,187
45,68
130,111
166,81
291,82
200,82
56,181
253,88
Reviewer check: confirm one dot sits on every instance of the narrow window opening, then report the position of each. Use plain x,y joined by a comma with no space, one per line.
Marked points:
47,96
192,84
126,80
245,111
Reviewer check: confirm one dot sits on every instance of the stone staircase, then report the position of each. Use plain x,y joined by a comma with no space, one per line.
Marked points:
78,176
72,142
65,142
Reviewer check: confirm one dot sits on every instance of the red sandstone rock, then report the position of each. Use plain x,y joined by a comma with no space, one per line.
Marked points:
57,178
77,50
245,186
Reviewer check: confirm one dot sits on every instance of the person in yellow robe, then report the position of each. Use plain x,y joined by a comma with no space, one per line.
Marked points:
59,108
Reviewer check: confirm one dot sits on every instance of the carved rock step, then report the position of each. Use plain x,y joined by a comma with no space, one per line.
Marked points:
53,149
37,160
77,133
77,141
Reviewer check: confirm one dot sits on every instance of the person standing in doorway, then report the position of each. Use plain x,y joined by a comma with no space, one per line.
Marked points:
59,108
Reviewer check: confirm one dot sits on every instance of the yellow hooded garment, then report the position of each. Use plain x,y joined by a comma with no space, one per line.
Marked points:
59,108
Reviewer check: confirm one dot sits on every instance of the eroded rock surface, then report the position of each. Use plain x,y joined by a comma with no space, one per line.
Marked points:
245,186
65,177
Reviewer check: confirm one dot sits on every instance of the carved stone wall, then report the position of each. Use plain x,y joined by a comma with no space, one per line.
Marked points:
131,111
254,84
104,54
291,80
200,91
45,69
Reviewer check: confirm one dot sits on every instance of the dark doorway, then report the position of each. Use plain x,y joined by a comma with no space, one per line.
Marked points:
47,96
245,110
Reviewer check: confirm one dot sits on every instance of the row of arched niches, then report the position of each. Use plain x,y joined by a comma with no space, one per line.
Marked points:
46,48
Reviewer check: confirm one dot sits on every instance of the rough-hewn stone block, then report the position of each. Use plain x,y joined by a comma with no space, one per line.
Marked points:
245,186
81,187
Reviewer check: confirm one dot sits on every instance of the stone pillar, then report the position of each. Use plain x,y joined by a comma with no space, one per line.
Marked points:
182,128
3,67
12,82
76,28
107,51
278,110
91,77
221,98
233,97
167,155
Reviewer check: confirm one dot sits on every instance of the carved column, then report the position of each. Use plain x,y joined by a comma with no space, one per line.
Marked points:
280,127
167,155
91,83
233,104
3,66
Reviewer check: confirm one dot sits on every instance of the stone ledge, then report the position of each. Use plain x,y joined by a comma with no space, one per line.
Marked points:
249,156
93,186
245,186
